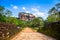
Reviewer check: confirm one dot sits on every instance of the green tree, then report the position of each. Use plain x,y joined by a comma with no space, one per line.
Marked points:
36,23
2,10
55,9
58,6
12,20
54,13
8,13
2,16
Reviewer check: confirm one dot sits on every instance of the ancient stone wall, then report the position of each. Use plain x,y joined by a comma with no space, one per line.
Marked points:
7,30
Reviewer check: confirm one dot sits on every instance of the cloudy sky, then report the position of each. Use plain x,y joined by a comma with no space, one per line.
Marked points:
39,8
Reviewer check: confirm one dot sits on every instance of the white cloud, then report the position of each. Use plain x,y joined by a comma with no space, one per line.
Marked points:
15,7
27,11
37,12
34,9
23,8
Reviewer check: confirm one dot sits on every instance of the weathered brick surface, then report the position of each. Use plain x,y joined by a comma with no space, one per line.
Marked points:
7,30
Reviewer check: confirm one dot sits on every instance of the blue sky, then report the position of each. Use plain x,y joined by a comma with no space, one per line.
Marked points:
36,7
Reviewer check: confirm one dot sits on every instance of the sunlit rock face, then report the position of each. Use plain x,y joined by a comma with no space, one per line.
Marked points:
26,16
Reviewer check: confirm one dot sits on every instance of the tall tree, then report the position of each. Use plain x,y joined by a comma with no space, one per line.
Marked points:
8,13
52,10
54,13
2,10
55,9
58,6
2,16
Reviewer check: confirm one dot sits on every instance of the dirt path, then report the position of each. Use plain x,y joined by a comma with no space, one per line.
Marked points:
29,34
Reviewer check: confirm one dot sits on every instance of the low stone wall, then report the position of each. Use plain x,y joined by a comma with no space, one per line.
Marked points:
7,30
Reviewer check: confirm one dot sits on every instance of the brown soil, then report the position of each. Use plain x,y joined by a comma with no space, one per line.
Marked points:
29,34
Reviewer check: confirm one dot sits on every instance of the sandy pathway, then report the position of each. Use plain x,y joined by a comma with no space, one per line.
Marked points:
29,34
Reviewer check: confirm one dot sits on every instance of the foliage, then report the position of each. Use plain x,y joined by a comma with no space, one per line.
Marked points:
53,18
3,18
51,29
3,13
52,24
2,10
54,13
36,23
8,13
